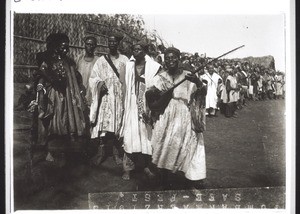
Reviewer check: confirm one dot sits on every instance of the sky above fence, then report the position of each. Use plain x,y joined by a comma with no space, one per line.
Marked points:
216,34
261,34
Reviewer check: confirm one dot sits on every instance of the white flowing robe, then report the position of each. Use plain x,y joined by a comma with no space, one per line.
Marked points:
233,95
224,95
176,146
109,117
278,84
212,85
135,132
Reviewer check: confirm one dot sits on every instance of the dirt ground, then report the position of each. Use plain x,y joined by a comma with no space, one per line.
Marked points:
248,151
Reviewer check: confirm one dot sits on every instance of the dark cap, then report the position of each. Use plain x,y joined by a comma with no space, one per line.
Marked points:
55,39
119,36
143,44
173,50
90,37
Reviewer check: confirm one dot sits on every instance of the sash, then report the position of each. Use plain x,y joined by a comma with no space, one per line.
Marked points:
108,59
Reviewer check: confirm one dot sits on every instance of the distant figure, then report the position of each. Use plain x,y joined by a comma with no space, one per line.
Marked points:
212,79
270,85
232,90
243,80
279,85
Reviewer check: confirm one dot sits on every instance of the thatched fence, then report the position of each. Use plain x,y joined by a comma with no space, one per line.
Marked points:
31,31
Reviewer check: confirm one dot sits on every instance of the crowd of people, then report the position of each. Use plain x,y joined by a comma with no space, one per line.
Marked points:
147,110
231,83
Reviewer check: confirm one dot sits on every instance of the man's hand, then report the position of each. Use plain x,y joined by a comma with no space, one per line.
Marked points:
102,89
32,106
194,79
40,87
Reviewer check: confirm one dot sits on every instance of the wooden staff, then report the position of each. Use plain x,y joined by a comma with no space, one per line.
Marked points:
159,100
201,67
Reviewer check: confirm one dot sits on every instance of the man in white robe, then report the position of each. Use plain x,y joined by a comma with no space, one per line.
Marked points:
212,79
232,92
136,129
108,88
278,85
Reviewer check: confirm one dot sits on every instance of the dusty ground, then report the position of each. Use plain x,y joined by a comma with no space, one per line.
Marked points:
248,151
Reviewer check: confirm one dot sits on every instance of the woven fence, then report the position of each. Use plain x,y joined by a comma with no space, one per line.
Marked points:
31,31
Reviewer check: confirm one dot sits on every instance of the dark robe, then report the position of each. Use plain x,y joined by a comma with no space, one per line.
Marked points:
60,115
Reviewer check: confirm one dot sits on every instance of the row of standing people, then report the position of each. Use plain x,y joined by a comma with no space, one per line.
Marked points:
231,83
102,100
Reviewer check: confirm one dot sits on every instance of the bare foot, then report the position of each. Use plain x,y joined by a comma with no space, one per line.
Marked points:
118,160
99,158
149,173
126,175
49,157
195,191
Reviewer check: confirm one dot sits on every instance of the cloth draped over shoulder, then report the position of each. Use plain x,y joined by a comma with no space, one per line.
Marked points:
107,111
212,85
223,93
233,95
85,68
135,132
177,144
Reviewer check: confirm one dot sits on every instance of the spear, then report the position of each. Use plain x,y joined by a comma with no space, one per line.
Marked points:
164,97
201,67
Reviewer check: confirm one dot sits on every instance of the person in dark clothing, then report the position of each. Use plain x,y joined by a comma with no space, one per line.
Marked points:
59,106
